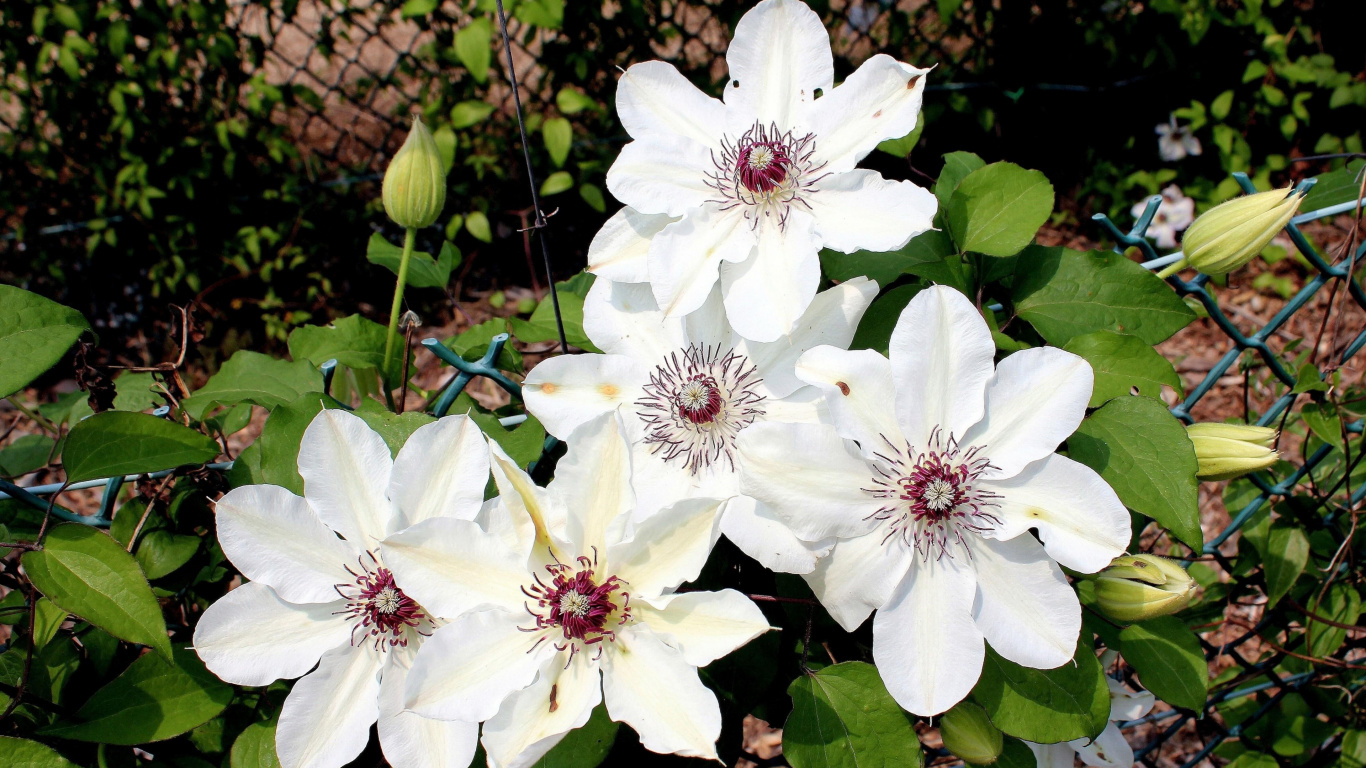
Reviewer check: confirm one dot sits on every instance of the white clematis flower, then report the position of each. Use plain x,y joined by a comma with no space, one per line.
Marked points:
687,386
557,604
750,189
931,477
1110,749
1174,214
317,599
1175,142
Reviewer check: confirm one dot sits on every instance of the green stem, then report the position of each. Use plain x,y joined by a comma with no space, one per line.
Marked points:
408,239
1172,269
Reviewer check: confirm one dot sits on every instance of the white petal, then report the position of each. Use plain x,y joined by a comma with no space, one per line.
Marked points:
566,391
654,99
669,481
754,528
1109,750
624,319
1053,755
779,57
707,325
412,741
326,719
252,637
650,686
831,319
533,720
527,517
941,352
1037,398
858,577
440,472
594,479
1126,704
1080,520
767,294
809,476
859,393
1025,607
859,210
667,549
618,249
466,668
453,566
686,256
703,625
345,466
806,405
273,537
927,648
880,101
662,175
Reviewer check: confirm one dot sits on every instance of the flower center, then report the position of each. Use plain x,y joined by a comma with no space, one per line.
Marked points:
697,401
762,166
766,172
378,608
585,609
932,498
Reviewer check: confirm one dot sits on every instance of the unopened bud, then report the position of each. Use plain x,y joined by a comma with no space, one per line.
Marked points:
968,732
414,189
1231,234
1226,451
1138,587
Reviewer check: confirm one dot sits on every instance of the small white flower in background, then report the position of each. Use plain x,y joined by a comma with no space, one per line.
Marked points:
556,603
316,599
862,16
1174,214
687,386
1110,749
748,191
929,481
1175,142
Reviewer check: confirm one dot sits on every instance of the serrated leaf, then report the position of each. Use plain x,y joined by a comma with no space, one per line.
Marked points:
251,377
558,135
352,341
996,209
473,47
843,717
1168,659
1286,555
423,270
123,443
34,335
394,428
1045,705
86,573
1121,362
22,753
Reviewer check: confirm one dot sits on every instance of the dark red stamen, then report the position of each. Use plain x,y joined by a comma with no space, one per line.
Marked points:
576,604
380,608
762,166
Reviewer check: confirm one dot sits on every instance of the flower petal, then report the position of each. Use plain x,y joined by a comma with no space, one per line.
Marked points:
618,249
533,720
273,537
665,175
410,740
345,466
941,352
686,256
467,668
1080,520
326,719
880,101
1126,704
859,393
624,319
440,472
1025,607
654,99
1053,755
252,637
859,210
1109,750
594,479
668,548
780,56
568,390
703,625
810,478
754,528
526,516
858,577
1037,398
650,686
831,319
453,566
768,293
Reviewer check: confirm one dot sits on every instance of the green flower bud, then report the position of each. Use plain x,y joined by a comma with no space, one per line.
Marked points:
1138,587
969,733
415,182
1226,451
1231,234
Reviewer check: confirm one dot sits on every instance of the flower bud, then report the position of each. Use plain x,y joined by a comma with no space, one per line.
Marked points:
1226,451
969,733
1138,587
1231,234
415,182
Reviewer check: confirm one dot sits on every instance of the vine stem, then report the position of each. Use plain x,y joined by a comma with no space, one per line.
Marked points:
409,238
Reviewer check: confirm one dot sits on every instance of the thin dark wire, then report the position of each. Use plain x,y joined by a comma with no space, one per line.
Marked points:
541,223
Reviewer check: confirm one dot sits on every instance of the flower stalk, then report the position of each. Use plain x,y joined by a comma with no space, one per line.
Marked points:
409,238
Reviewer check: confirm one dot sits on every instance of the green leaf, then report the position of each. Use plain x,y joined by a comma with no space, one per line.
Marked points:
1353,753
957,165
446,143
572,102
474,342
34,335
468,113
1343,605
523,443
251,377
1334,187
22,753
1168,659
592,195
541,325
154,699
875,329
473,46
25,454
1143,452
477,224
843,717
558,135
997,209
1065,293
1016,754
352,341
84,572
1323,419
394,428
281,436
418,8
584,747
162,552
124,443
546,14
48,619
902,147
1122,362
926,255
557,182
1286,555
255,747
423,270
1045,705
